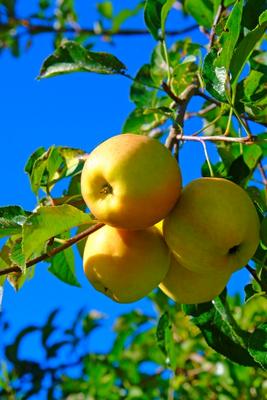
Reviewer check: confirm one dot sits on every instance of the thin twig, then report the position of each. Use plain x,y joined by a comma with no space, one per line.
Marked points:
253,272
207,157
215,22
200,113
55,250
170,93
39,28
207,97
216,139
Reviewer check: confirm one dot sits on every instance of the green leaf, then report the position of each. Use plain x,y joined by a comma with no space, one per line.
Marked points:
63,267
63,264
202,11
250,292
229,36
139,122
105,9
184,74
221,331
42,164
45,168
155,14
49,222
214,77
123,15
72,57
72,158
12,350
165,339
141,92
164,14
258,345
31,160
239,171
49,327
18,279
264,231
245,48
252,155
11,220
251,13
258,198
251,90
17,256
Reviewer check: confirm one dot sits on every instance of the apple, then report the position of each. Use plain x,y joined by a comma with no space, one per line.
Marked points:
214,226
188,287
125,265
130,181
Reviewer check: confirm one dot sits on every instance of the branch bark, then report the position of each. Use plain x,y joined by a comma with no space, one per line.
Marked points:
31,28
246,139
56,250
181,105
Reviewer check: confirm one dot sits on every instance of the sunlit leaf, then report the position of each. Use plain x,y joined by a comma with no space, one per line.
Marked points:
63,267
48,222
245,48
229,36
221,331
165,339
105,9
155,14
72,57
201,10
11,220
215,77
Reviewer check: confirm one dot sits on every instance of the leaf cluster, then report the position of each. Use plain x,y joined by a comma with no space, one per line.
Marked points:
142,361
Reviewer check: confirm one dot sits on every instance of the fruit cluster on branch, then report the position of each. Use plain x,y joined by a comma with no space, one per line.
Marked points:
186,241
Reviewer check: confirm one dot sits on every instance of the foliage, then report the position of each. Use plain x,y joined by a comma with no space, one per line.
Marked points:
233,117
144,361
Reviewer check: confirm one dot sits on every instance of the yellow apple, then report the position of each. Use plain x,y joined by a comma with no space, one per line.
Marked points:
214,226
188,287
125,264
130,181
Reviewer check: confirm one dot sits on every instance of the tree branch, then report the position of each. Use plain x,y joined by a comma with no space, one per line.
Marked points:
207,97
201,112
41,28
216,139
54,251
181,105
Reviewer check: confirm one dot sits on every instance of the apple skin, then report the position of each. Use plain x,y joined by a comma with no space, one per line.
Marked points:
125,265
188,287
130,181
214,226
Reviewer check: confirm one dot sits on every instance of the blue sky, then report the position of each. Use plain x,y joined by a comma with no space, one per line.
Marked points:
78,110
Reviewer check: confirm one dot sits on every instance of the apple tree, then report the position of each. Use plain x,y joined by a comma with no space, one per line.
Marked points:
220,345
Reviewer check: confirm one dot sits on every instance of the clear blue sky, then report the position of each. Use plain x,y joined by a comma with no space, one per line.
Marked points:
78,110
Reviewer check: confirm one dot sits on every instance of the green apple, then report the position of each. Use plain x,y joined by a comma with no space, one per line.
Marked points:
188,287
214,226
125,265
130,181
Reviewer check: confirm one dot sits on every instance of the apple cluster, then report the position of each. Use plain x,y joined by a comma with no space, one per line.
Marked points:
186,241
